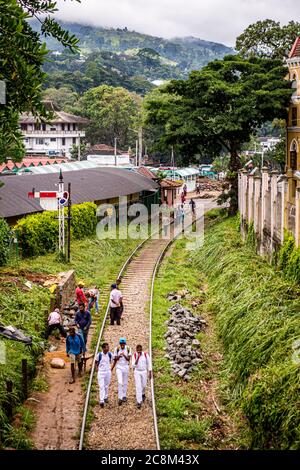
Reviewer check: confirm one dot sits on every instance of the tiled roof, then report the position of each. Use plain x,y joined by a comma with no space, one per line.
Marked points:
295,52
27,162
144,171
170,184
104,149
59,116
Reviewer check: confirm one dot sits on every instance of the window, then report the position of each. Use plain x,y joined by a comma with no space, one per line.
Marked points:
52,129
52,139
293,156
40,141
37,127
24,127
69,127
74,127
74,140
43,127
62,127
294,117
63,141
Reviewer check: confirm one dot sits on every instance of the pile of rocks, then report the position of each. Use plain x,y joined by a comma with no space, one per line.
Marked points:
183,294
68,316
183,348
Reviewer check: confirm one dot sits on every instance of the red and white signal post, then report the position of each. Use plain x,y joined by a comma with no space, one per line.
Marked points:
55,201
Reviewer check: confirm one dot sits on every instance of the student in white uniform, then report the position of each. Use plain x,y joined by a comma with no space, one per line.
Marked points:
104,362
142,367
122,356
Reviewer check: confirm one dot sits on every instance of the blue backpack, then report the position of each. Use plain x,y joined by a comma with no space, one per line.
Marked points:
109,355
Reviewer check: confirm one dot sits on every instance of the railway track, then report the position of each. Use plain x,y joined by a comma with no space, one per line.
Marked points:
126,427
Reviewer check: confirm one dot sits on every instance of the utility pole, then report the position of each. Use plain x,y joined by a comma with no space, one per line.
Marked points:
140,146
79,150
262,157
173,163
69,222
136,152
116,151
61,217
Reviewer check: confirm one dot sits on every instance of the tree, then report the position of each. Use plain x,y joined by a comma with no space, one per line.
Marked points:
63,98
22,56
218,108
278,154
268,39
83,151
113,113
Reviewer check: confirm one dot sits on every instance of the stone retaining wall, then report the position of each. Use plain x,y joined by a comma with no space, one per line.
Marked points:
65,291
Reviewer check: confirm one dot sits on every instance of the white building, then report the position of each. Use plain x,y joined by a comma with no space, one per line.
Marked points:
55,138
104,155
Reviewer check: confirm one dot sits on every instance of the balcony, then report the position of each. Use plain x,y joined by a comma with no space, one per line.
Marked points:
45,134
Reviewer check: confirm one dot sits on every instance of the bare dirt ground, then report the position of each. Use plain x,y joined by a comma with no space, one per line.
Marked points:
58,411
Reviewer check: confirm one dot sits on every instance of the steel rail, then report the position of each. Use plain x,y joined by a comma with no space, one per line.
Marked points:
88,393
154,274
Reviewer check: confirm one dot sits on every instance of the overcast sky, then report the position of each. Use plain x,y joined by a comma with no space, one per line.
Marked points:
213,20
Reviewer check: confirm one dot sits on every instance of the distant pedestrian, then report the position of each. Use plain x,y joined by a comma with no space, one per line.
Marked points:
115,305
55,323
193,206
122,356
182,213
142,367
75,348
83,321
80,295
94,295
197,188
104,361
185,190
182,197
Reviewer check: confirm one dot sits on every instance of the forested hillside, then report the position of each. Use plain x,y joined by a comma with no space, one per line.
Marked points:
125,58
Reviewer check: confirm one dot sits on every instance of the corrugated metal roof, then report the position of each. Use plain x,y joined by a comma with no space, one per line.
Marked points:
97,184
183,172
72,166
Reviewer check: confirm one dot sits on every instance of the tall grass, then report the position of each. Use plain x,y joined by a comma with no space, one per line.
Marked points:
97,262
257,313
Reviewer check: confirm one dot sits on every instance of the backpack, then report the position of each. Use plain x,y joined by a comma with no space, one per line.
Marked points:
109,355
127,349
146,356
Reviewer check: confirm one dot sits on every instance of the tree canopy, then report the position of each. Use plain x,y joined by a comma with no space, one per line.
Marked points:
22,55
113,113
268,39
219,107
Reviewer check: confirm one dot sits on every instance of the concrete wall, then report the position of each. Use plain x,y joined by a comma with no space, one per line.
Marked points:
65,291
263,202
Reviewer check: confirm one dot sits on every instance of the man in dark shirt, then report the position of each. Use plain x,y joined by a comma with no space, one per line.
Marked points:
83,321
75,347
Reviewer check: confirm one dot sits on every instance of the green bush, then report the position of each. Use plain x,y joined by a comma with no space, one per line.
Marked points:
4,242
38,233
84,220
257,316
27,312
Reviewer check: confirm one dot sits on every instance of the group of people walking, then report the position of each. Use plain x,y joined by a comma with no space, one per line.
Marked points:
106,361
120,360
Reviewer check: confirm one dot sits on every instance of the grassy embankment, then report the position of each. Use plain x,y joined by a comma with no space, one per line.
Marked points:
253,316
97,263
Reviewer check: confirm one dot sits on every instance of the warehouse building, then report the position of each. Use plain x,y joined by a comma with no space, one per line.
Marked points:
99,185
